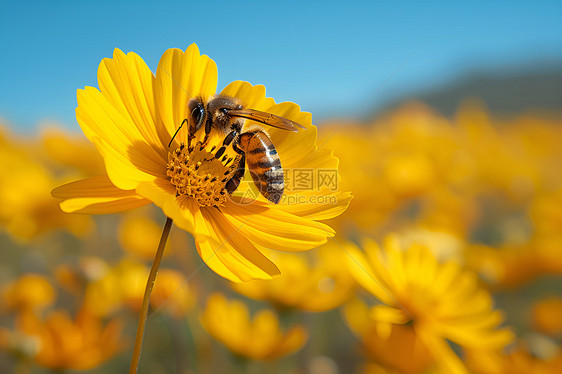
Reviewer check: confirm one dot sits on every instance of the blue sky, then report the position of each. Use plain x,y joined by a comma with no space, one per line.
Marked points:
326,56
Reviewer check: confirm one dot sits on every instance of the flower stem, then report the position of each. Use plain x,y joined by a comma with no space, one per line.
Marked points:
146,299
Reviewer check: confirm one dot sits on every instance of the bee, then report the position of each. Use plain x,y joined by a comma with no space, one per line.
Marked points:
227,116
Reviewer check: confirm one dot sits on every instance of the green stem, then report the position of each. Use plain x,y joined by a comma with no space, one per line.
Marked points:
146,299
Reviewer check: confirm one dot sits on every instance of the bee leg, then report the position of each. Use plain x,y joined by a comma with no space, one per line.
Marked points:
208,127
226,142
234,182
237,149
176,133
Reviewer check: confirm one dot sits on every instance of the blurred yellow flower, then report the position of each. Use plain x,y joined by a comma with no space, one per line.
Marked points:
137,235
123,285
71,151
29,292
259,338
503,267
352,143
441,301
518,361
79,344
394,164
409,175
132,118
412,166
547,315
26,209
397,348
314,283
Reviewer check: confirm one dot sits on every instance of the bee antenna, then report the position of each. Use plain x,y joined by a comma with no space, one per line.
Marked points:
176,133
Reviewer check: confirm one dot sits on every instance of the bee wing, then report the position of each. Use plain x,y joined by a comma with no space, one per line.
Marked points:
267,119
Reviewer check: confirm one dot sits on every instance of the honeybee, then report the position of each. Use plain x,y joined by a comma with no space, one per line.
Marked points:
227,116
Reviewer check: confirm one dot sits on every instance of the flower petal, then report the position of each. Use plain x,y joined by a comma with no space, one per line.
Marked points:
126,171
383,313
252,97
442,352
366,276
181,76
163,194
100,119
126,82
229,250
319,205
293,340
274,229
96,195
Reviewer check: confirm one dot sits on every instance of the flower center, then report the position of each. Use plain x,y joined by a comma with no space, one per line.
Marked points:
196,172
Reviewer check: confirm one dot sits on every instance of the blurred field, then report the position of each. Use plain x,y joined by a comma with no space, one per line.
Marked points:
474,190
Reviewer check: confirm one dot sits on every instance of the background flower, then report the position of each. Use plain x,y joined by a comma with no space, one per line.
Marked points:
260,338
439,300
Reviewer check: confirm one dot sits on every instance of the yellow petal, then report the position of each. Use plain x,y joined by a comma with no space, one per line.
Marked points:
252,97
489,339
232,249
357,316
207,252
162,193
272,228
126,82
96,195
127,171
320,160
443,354
294,148
319,205
387,314
100,119
365,276
265,333
292,342
181,76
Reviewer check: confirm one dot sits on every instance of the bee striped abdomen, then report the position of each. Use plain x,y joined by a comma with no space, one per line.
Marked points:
263,161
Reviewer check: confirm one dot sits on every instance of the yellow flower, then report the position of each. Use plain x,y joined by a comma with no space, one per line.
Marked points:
123,285
29,292
518,361
397,162
131,120
314,283
137,235
79,344
26,209
397,349
71,151
441,301
258,339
